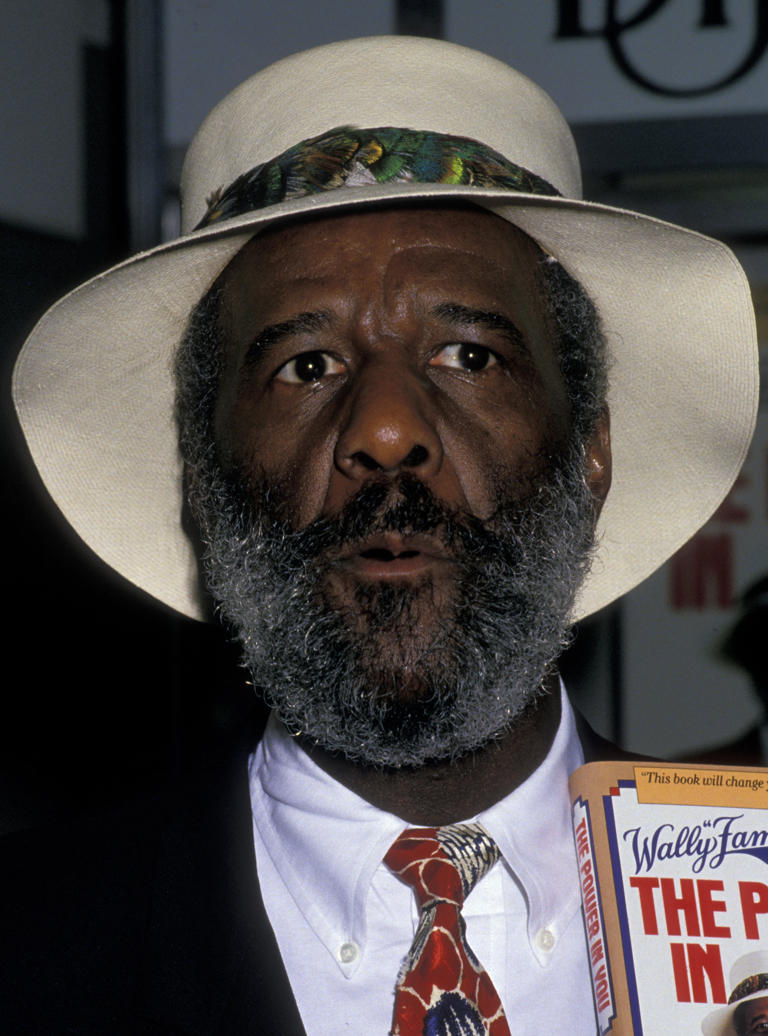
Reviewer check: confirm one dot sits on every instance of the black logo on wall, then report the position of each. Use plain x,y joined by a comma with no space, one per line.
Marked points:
713,14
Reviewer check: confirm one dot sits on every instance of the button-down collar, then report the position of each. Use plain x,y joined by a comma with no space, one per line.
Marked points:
327,843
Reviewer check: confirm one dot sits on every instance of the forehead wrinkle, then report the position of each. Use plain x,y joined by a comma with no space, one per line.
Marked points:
386,303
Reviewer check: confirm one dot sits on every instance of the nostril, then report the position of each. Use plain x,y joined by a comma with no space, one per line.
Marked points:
417,456
366,461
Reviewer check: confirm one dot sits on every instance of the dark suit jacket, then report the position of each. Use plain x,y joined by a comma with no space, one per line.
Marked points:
148,920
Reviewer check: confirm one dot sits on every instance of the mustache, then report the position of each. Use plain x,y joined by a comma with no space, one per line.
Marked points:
405,505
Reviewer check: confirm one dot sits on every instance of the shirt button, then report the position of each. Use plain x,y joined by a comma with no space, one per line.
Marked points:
545,940
347,952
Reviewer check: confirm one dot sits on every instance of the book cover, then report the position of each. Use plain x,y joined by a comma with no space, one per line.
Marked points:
673,866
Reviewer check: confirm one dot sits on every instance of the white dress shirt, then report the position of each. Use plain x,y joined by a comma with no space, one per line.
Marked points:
344,922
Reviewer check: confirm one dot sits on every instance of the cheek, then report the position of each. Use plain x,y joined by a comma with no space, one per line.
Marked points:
505,440
484,462
293,455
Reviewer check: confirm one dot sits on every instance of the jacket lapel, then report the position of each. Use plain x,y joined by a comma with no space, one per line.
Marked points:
597,748
212,964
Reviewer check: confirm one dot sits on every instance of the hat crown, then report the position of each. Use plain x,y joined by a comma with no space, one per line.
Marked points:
748,965
400,81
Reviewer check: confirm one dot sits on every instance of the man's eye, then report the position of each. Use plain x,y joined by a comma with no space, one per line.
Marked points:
465,356
308,367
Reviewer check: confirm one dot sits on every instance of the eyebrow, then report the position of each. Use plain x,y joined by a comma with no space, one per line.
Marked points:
302,323
455,313
317,320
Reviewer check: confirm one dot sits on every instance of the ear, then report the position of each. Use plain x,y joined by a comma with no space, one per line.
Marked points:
597,460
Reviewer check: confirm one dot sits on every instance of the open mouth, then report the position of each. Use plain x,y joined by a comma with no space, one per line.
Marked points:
382,554
393,555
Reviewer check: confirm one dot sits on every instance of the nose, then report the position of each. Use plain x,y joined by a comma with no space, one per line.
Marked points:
389,427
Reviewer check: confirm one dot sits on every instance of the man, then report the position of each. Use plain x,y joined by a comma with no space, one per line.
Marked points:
747,1011
388,319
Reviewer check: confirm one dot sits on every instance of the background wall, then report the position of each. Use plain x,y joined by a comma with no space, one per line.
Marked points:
42,110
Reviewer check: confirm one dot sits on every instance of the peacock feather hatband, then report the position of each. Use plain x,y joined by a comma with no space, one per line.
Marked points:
349,157
752,984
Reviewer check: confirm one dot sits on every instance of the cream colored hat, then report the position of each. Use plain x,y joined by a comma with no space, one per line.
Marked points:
749,981
94,388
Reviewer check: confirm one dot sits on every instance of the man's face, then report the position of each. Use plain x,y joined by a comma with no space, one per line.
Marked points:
392,413
368,344
751,1018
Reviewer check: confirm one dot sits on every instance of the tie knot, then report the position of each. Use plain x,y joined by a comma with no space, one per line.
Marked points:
442,863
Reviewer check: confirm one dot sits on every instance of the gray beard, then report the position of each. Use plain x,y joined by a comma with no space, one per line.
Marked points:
409,673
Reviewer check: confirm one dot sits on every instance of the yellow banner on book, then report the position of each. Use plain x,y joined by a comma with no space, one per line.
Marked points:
702,786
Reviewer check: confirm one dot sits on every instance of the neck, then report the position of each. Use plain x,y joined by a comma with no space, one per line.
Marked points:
444,793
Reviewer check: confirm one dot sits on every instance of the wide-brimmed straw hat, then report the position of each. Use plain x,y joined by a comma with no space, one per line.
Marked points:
411,119
749,981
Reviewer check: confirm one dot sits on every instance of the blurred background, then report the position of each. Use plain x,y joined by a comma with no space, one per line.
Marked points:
106,691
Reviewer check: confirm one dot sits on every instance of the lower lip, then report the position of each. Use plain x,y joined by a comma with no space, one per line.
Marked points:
397,568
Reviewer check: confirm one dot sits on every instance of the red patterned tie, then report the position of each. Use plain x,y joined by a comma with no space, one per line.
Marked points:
442,989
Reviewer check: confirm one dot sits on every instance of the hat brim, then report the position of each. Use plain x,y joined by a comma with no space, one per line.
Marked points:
94,386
